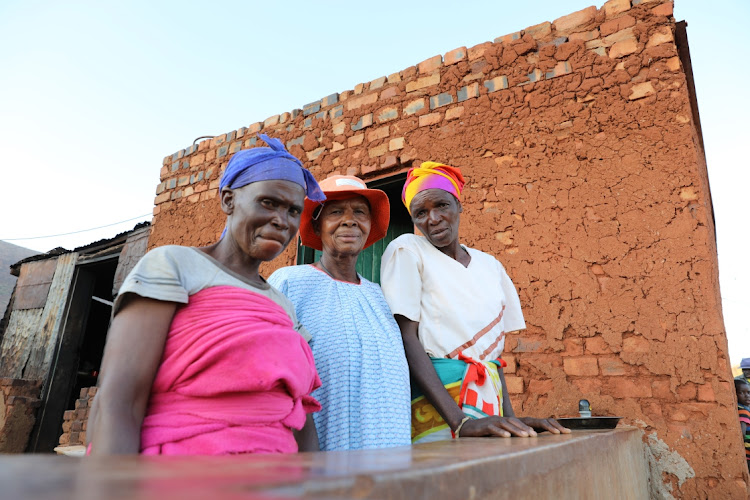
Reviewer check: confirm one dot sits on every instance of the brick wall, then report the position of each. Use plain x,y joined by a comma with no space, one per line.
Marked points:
76,419
19,399
586,178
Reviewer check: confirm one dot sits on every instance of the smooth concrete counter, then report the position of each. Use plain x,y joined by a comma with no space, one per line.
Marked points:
592,464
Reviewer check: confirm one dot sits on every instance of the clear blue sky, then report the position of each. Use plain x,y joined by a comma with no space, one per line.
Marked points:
94,94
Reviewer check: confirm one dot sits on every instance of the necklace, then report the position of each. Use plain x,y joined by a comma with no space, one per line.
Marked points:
325,268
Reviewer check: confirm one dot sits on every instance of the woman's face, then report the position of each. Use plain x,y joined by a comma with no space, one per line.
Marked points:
344,226
436,214
263,216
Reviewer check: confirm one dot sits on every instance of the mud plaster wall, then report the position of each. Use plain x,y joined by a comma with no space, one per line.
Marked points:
586,178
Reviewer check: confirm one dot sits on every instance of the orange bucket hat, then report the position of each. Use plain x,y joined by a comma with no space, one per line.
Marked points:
341,187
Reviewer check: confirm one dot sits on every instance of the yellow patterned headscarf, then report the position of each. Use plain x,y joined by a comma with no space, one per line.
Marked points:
432,175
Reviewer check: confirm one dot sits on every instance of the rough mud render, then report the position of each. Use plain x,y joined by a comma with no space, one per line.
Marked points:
586,178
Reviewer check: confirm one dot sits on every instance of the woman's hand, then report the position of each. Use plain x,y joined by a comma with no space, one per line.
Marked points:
511,426
496,426
545,424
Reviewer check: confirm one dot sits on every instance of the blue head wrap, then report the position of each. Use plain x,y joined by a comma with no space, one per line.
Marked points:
269,164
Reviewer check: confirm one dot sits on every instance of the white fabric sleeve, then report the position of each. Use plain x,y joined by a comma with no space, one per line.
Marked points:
156,276
280,281
401,281
513,315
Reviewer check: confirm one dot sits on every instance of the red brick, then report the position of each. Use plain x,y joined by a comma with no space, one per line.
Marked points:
514,384
430,65
389,92
69,415
623,48
573,347
583,366
74,437
478,51
271,121
455,56
357,102
511,363
377,83
640,90
378,150
662,35
396,144
84,393
539,31
706,392
687,392
585,35
377,133
612,367
617,24
614,7
454,113
597,345
67,425
629,388
76,426
65,439
508,38
664,9
430,119
390,161
574,20
425,81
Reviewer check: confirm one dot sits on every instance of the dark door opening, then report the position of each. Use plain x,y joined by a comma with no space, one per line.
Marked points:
79,354
368,263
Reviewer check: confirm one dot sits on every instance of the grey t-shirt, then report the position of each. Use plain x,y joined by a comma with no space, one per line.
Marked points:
173,273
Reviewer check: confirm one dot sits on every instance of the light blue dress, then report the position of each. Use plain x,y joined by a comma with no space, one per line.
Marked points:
359,355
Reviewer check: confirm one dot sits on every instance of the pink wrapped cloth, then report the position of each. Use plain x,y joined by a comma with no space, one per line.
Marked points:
235,377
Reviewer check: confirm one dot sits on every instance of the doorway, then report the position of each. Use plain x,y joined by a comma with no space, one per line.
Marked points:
79,354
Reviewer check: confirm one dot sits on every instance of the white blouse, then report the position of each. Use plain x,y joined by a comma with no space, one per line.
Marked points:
459,309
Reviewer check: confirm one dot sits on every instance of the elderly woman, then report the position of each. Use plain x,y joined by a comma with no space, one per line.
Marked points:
203,356
355,340
454,305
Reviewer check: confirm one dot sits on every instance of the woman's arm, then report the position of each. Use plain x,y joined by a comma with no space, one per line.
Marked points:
135,343
424,374
307,437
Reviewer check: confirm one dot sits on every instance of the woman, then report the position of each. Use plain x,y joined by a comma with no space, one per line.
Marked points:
355,340
203,356
453,305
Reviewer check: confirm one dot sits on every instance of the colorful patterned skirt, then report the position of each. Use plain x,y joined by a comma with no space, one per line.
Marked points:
474,386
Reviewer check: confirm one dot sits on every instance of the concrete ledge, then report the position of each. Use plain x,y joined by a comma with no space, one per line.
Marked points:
599,464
